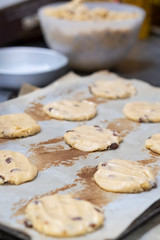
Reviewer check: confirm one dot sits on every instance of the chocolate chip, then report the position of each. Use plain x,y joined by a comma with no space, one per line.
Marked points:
92,225
70,131
154,185
115,134
141,120
103,164
98,128
76,218
36,202
111,175
50,109
8,160
28,223
149,137
76,105
77,198
98,210
15,170
113,146
2,177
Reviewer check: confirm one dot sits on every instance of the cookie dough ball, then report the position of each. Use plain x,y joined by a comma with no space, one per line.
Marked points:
71,110
18,125
64,216
124,176
153,143
15,168
142,111
113,89
92,138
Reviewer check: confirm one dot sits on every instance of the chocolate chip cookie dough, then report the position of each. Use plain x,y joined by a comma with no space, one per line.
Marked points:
113,89
153,143
18,125
92,138
142,111
124,176
15,168
64,216
71,110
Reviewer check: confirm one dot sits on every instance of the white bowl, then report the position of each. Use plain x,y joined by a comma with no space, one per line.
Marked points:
92,45
37,66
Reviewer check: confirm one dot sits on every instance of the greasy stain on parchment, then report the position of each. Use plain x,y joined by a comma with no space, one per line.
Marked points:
153,160
81,96
49,153
35,110
91,191
123,126
20,206
96,100
4,140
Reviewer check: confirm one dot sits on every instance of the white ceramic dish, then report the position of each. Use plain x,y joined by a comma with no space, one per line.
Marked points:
92,45
36,66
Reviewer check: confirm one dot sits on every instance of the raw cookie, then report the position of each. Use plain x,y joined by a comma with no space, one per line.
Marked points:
17,125
71,110
64,216
113,89
153,143
142,111
92,138
15,168
124,176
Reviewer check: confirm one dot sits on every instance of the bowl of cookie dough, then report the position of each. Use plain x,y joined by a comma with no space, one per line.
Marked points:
93,35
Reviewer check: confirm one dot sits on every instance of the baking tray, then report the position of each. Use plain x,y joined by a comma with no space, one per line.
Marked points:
66,170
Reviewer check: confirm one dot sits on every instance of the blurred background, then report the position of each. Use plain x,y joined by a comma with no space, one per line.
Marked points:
19,21
19,26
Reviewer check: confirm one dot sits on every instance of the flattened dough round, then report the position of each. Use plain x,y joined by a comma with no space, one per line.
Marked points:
113,89
64,216
15,168
92,138
124,176
71,110
153,143
18,125
142,111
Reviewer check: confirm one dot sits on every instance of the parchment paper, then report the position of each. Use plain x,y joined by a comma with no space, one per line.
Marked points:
65,170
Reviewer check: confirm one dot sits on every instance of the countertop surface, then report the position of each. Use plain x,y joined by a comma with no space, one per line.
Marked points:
142,62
